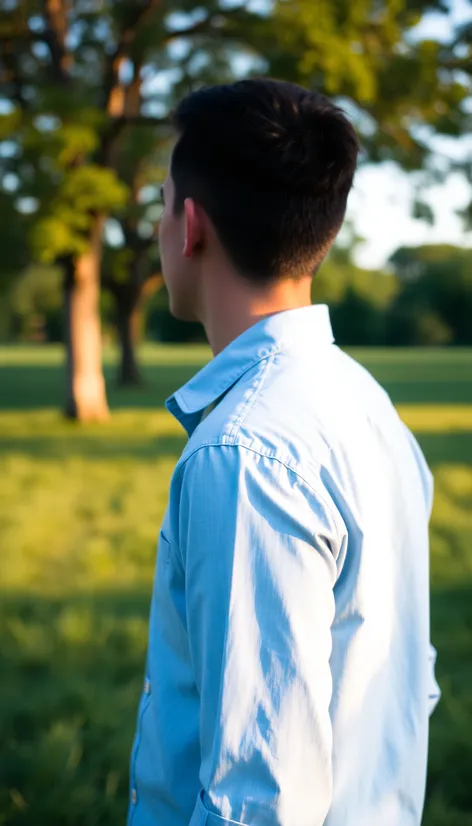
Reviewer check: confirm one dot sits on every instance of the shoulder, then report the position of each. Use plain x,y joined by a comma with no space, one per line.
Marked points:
222,479
267,419
255,411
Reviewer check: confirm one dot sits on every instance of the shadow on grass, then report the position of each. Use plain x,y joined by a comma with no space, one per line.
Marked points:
71,678
102,635
439,448
449,448
72,671
26,387
450,752
94,447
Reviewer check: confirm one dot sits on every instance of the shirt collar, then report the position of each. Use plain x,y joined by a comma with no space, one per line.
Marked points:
306,326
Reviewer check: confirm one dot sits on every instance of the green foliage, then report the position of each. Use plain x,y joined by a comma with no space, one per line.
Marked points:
52,238
162,326
118,263
334,44
75,140
9,124
14,228
362,50
427,300
338,274
85,191
36,303
79,114
435,300
423,212
359,299
78,528
93,188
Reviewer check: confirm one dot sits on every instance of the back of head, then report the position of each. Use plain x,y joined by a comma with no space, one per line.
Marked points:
272,165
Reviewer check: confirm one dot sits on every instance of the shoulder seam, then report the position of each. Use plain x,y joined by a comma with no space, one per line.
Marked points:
286,464
233,434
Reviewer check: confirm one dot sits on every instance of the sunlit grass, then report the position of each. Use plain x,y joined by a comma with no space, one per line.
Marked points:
79,519
437,418
83,504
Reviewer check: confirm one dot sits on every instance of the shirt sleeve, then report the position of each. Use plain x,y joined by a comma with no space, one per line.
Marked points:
259,548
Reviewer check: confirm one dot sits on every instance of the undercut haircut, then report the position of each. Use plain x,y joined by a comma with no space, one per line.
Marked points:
272,165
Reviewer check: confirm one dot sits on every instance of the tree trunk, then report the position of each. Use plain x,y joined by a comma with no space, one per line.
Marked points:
86,394
127,323
131,299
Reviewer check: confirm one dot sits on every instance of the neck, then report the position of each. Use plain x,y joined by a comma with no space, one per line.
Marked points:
233,308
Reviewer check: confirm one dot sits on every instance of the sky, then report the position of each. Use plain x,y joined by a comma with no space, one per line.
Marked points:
380,210
380,204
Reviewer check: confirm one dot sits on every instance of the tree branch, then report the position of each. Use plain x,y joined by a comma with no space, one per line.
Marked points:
141,120
139,15
115,93
204,26
152,284
463,64
197,28
133,97
115,129
24,35
126,39
55,13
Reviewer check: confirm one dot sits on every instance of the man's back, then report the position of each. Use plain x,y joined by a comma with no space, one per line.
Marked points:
323,605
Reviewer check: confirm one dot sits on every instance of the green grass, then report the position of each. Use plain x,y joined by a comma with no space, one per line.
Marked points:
33,376
80,513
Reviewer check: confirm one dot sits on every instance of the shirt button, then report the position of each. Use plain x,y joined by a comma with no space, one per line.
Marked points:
147,686
134,797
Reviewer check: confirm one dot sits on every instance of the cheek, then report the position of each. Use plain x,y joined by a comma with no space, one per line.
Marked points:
169,236
162,232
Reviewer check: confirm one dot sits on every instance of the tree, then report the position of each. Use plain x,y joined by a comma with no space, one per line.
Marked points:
91,84
14,255
35,304
357,52
456,57
87,135
128,275
14,229
402,92
434,304
131,271
359,299
63,163
206,41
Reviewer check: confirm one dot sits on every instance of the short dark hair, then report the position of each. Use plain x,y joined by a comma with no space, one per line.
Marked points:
272,164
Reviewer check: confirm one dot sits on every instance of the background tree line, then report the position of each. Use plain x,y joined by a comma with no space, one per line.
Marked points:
85,92
424,298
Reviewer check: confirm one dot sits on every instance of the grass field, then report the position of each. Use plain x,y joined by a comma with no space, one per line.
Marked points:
80,512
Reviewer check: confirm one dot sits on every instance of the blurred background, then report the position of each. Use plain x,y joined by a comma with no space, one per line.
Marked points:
85,92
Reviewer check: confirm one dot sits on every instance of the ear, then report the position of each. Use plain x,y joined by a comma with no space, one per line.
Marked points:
193,228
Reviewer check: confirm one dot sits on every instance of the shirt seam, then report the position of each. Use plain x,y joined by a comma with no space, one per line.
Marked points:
281,347
281,461
233,434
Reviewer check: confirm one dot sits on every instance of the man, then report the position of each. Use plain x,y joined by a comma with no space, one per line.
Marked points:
289,675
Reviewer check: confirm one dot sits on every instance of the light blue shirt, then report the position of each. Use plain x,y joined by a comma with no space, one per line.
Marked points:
289,676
